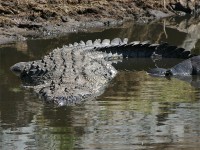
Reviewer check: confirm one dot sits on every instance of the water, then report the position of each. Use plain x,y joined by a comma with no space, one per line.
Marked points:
136,111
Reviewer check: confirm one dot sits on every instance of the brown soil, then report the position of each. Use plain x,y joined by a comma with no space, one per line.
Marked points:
20,19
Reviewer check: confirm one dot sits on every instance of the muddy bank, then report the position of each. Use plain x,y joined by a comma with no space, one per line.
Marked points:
21,19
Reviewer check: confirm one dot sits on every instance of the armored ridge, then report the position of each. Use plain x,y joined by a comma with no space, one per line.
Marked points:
81,71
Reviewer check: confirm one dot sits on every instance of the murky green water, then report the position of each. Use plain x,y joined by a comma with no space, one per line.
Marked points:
135,112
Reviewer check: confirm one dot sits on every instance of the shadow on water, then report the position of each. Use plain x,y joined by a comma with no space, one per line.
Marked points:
135,112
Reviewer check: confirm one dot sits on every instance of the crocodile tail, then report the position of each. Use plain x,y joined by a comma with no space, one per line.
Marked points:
137,49
170,51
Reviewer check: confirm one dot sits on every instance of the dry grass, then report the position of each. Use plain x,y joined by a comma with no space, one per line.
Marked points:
54,10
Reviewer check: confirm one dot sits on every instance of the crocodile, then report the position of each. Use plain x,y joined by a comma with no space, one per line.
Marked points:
82,71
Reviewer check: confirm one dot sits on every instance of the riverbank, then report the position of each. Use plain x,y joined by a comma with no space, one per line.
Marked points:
21,19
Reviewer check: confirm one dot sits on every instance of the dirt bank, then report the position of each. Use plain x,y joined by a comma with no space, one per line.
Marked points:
20,19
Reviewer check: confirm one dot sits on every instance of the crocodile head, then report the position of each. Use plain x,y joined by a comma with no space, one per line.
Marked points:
187,67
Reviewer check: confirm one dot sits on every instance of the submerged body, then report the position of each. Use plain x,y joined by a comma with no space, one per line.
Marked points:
81,71
188,67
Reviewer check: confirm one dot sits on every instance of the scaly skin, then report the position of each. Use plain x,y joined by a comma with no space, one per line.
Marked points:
78,72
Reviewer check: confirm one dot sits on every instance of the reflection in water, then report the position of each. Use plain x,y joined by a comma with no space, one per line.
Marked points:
135,112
